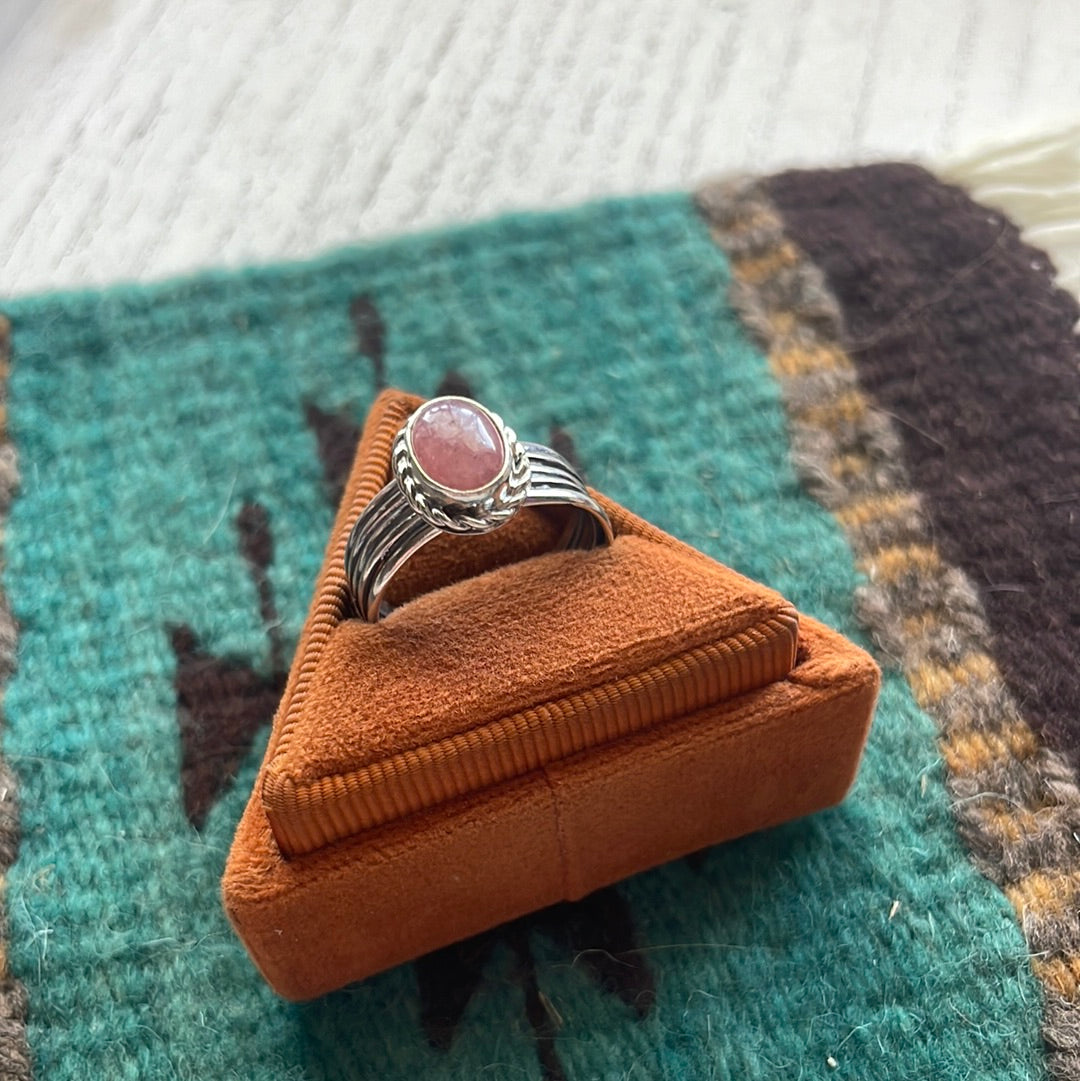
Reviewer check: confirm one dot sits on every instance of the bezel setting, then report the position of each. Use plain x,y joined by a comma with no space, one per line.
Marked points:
474,510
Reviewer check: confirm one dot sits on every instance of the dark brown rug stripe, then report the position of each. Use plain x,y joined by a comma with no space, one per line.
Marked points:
1015,799
957,330
14,1051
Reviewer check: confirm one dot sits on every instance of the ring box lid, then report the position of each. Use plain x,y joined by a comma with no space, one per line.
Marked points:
504,657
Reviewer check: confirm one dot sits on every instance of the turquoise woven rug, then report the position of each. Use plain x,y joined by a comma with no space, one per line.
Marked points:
180,449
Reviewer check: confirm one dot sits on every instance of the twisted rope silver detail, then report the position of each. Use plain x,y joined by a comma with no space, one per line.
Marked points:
490,512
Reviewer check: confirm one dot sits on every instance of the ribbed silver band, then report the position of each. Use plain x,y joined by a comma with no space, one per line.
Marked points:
389,531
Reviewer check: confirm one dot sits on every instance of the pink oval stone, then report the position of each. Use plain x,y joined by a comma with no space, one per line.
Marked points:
457,444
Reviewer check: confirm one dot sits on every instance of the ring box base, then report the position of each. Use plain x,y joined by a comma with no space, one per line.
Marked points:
527,728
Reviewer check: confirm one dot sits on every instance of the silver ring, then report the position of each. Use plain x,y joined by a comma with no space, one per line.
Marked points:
457,468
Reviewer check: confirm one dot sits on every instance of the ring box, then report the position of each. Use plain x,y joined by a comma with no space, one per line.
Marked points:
525,727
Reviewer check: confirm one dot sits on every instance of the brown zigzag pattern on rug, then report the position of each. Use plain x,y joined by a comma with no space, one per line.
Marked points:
1016,802
14,1050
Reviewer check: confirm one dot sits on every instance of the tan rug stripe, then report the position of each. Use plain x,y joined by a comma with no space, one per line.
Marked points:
1016,802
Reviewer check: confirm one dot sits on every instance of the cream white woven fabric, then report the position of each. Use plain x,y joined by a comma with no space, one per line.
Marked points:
145,137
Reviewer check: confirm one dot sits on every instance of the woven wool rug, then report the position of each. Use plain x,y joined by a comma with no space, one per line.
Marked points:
860,387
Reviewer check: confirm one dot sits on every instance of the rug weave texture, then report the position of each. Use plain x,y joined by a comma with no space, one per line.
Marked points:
734,367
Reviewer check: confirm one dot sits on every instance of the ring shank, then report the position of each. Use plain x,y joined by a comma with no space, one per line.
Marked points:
389,532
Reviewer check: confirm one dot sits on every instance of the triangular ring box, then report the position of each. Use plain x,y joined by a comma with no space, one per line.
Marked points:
526,727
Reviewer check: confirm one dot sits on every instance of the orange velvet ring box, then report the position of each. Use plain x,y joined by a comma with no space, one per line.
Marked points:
530,726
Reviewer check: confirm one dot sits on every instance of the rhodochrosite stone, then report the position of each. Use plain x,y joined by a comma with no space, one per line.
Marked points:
457,444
